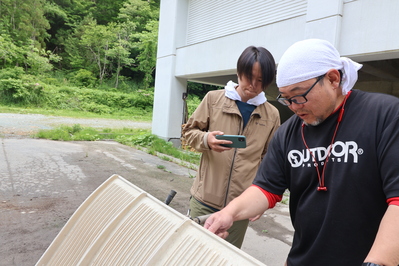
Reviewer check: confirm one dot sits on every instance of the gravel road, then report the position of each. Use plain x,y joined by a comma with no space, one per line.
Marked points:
23,125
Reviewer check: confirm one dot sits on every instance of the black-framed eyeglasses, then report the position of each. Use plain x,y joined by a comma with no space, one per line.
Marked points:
298,99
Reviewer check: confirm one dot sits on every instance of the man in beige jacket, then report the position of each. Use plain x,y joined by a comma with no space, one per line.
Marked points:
240,109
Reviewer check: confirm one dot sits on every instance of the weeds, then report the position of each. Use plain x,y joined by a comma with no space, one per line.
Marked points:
286,197
190,175
67,133
27,91
139,138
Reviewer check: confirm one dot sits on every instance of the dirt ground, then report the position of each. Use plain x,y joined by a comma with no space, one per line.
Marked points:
43,182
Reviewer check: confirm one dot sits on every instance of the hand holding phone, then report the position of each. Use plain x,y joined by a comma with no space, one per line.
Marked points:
239,141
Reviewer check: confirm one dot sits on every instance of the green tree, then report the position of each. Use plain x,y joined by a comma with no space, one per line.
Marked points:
109,38
57,17
120,50
138,13
35,60
64,16
38,61
98,39
106,11
142,18
24,20
147,48
9,52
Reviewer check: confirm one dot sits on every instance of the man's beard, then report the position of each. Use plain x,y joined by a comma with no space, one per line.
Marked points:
315,123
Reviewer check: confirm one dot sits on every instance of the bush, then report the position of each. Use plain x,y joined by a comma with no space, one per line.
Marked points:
7,89
55,92
143,99
192,103
97,101
21,91
84,78
11,73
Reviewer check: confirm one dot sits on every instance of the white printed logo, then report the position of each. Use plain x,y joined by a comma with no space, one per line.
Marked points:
340,152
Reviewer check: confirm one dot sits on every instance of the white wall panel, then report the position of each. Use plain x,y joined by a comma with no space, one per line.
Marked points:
209,19
370,30
219,56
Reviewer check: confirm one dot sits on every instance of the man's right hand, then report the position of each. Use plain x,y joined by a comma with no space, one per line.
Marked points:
251,203
218,223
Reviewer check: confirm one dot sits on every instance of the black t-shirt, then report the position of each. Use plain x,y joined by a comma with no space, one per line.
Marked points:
337,226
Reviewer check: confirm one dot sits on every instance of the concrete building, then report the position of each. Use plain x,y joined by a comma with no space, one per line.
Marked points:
201,40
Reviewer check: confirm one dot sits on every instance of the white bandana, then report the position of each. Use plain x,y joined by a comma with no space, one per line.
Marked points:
231,93
311,58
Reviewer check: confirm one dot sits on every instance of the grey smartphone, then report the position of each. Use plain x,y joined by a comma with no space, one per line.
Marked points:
239,141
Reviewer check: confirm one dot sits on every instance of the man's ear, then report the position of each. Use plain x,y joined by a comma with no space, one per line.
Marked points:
334,77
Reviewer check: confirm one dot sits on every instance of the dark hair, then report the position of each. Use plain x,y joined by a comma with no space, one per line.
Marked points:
249,57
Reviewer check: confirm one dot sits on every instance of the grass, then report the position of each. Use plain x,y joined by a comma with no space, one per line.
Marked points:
286,197
137,138
138,116
67,133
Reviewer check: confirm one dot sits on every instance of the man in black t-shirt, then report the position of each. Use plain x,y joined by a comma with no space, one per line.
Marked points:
337,157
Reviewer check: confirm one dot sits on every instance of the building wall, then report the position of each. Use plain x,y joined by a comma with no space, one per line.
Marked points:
209,20
200,40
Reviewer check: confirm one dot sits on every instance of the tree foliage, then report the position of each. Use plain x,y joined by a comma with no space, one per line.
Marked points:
24,20
111,39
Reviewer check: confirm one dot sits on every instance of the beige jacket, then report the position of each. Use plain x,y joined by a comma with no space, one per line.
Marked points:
221,177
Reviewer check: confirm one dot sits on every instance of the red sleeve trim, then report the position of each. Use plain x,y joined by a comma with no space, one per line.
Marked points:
393,201
271,198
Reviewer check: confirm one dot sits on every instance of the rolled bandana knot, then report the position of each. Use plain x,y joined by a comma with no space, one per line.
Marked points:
312,58
349,77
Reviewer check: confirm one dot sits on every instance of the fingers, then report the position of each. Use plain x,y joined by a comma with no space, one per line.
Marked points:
216,225
213,225
223,234
214,143
214,228
209,224
214,133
